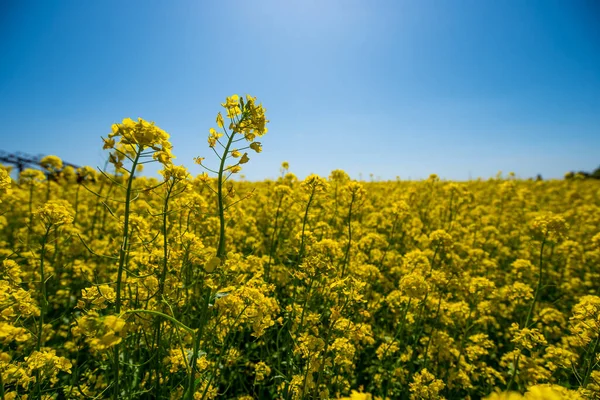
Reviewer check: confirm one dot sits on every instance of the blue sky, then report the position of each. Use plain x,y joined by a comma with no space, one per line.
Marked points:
384,87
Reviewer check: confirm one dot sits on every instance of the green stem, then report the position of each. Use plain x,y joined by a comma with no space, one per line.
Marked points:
335,207
529,313
161,286
48,187
1,388
223,350
591,361
347,255
304,222
191,380
389,246
304,305
272,247
43,294
325,349
306,372
97,205
43,309
198,337
76,204
221,251
433,329
122,255
538,288
163,275
398,335
163,315
30,213
323,360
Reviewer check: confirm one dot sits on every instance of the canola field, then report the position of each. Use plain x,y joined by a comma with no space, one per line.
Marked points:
118,286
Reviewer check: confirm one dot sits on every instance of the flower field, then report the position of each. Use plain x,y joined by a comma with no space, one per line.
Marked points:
115,285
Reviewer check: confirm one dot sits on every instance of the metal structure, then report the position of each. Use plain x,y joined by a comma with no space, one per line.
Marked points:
22,160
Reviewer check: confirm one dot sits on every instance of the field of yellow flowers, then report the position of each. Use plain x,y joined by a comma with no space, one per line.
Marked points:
115,285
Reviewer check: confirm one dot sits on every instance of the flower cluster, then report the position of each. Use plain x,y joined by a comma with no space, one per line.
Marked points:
5,183
130,138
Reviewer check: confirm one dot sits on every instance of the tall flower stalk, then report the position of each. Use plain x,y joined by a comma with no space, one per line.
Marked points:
548,229
52,215
247,122
132,141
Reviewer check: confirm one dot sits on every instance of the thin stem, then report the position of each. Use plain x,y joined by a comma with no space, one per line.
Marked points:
325,349
43,294
30,213
161,285
398,335
304,221
347,255
198,337
122,255
163,315
43,310
76,204
221,251
529,313
48,187
538,288
591,361
161,282
272,247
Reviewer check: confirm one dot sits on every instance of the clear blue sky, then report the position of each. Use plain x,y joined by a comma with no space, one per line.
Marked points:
388,87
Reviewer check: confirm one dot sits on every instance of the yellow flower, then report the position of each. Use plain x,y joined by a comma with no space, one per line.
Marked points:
108,143
99,295
527,338
505,396
354,395
32,176
414,286
596,240
212,264
232,106
261,371
256,146
5,184
177,173
551,392
426,386
163,156
10,333
233,168
55,213
354,190
12,270
441,238
244,159
213,137
550,227
48,362
203,177
314,183
142,134
114,323
51,163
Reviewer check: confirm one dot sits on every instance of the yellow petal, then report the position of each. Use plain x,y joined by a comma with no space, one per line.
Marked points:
212,264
